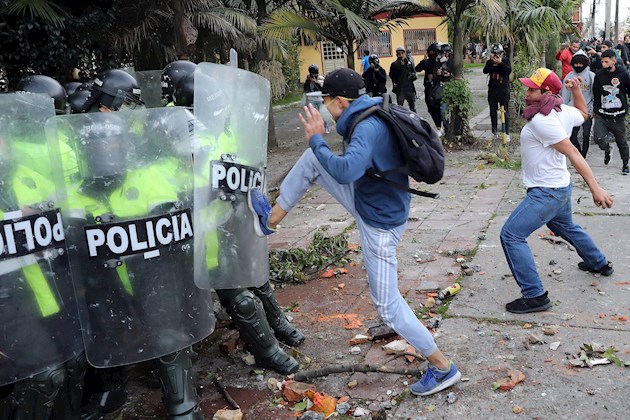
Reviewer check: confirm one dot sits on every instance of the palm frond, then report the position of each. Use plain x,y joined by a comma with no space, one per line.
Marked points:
43,9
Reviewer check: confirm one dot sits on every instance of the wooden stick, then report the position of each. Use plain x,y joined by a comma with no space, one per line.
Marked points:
225,393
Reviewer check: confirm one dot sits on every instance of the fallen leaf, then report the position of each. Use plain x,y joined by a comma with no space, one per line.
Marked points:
527,326
294,391
613,317
301,406
622,318
432,294
341,285
481,273
343,399
341,271
322,403
353,247
328,274
516,409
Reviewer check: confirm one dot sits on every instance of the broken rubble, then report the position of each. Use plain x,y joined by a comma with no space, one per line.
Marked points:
396,347
228,415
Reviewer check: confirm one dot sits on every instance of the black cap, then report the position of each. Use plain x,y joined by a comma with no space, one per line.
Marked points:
343,82
608,43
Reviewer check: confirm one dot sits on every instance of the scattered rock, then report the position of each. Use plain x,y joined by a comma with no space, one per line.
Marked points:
396,347
527,326
355,350
517,409
273,384
387,405
434,323
339,356
566,317
557,271
249,360
550,330
320,207
430,303
352,384
482,237
469,271
228,415
359,339
229,342
360,412
343,408
451,397
380,332
312,415
260,378
554,346
552,262
460,259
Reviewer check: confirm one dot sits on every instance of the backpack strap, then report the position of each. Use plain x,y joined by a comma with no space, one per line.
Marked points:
377,175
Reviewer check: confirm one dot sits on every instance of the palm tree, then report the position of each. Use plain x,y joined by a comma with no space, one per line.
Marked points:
46,10
347,23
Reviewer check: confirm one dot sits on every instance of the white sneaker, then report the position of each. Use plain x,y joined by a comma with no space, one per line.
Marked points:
507,138
327,131
440,132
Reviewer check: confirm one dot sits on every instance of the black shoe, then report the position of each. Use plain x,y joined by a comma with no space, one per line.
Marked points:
605,270
625,170
606,156
525,305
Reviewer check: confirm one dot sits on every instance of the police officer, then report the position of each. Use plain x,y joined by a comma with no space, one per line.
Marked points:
41,342
254,310
443,74
498,69
152,307
171,74
403,75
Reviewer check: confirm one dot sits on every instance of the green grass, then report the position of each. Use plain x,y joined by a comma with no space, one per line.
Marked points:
473,65
288,98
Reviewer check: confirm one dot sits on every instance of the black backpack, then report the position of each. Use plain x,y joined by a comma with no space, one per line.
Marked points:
419,144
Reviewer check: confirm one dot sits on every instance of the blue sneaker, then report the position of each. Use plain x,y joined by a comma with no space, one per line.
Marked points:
261,209
435,380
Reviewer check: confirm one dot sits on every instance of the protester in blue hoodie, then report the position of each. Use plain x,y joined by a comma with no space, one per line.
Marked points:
380,211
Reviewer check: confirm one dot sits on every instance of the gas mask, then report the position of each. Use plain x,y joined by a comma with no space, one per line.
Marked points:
442,58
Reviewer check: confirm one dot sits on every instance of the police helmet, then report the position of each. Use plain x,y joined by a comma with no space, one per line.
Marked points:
113,89
172,73
398,49
496,49
77,100
102,147
86,85
184,94
445,48
435,47
313,69
373,59
47,86
71,87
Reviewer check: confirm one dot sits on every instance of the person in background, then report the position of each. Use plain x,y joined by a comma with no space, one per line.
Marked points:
375,77
498,69
365,61
565,54
580,62
403,75
314,84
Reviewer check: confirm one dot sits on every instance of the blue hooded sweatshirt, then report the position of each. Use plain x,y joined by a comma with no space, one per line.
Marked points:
372,146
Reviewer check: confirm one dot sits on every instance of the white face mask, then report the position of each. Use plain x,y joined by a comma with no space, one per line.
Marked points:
326,115
443,59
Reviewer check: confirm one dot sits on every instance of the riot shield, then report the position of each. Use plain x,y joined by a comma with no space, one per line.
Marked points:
39,322
230,157
27,113
128,222
151,87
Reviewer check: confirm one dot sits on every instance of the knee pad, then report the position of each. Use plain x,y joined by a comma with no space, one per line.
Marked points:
243,305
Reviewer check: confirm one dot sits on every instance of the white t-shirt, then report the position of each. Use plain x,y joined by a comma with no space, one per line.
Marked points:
544,166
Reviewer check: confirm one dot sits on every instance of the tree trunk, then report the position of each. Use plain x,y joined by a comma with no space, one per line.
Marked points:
272,140
349,49
181,49
458,126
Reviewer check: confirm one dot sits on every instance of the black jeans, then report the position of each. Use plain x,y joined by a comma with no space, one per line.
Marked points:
616,126
586,136
407,93
497,97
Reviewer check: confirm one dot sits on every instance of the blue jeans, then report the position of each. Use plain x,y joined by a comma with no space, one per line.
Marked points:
378,247
444,115
550,206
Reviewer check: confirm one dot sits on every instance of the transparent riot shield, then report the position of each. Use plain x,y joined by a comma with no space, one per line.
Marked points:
230,157
39,322
129,225
151,87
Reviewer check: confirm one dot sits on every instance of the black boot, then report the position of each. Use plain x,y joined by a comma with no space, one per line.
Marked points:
33,398
178,390
277,319
249,318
